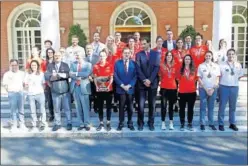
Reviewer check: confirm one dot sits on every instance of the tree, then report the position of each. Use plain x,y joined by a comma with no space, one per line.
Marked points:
189,30
78,31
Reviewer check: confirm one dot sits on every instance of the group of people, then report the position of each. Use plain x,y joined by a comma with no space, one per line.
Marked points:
125,75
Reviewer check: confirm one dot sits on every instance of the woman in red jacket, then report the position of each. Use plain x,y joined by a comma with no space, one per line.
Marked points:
187,90
167,73
179,52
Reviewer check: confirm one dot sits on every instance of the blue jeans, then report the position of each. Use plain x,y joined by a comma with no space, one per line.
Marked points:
33,99
207,102
16,102
228,94
58,101
82,106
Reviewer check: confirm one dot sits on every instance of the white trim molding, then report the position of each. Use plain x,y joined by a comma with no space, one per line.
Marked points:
135,4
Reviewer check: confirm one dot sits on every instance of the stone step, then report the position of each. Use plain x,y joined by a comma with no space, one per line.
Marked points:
240,103
240,111
241,121
74,133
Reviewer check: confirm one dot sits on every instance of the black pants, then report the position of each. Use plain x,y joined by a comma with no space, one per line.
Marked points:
125,99
183,99
49,100
101,97
93,96
151,104
136,96
167,95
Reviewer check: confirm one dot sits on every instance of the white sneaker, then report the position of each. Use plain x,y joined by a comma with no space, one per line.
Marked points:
23,128
171,126
163,127
14,129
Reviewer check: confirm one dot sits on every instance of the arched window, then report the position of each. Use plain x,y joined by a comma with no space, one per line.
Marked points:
134,16
26,34
240,33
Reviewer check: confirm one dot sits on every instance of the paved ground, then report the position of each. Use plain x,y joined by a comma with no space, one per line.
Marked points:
125,151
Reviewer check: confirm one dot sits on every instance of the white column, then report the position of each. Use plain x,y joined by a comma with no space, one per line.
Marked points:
222,22
50,23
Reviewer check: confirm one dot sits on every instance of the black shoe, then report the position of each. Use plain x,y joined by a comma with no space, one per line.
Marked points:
108,127
100,127
131,127
212,127
202,127
151,127
80,128
221,128
56,127
119,128
233,127
69,127
42,128
51,119
140,127
190,127
87,128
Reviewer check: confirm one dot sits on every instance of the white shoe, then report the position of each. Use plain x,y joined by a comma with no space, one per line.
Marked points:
14,129
163,127
171,126
23,128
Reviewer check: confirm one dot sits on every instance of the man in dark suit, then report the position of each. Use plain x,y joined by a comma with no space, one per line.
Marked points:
147,72
170,44
58,74
93,59
125,78
188,42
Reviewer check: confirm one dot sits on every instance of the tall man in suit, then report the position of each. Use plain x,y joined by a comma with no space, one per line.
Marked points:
58,74
125,78
170,44
147,72
93,59
80,87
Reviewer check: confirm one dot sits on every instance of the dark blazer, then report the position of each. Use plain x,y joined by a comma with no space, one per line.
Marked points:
147,69
64,68
121,77
165,44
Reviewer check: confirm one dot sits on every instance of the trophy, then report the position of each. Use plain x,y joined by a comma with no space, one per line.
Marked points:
101,83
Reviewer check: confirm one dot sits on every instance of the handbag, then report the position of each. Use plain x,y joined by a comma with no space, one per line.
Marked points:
60,87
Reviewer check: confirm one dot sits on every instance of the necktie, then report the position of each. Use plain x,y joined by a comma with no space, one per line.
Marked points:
147,55
188,46
125,65
79,69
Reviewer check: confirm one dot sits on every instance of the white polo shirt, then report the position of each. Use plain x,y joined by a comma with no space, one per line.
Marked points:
226,78
35,83
208,73
14,81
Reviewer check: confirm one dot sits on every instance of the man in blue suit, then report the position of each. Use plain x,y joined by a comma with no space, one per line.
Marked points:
80,87
147,72
125,78
170,44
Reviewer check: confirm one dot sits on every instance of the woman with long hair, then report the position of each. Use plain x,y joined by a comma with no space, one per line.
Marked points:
49,59
231,71
167,73
187,90
35,84
221,56
208,78
179,52
35,55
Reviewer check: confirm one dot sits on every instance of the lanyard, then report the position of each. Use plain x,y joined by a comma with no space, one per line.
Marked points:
209,70
198,52
232,69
